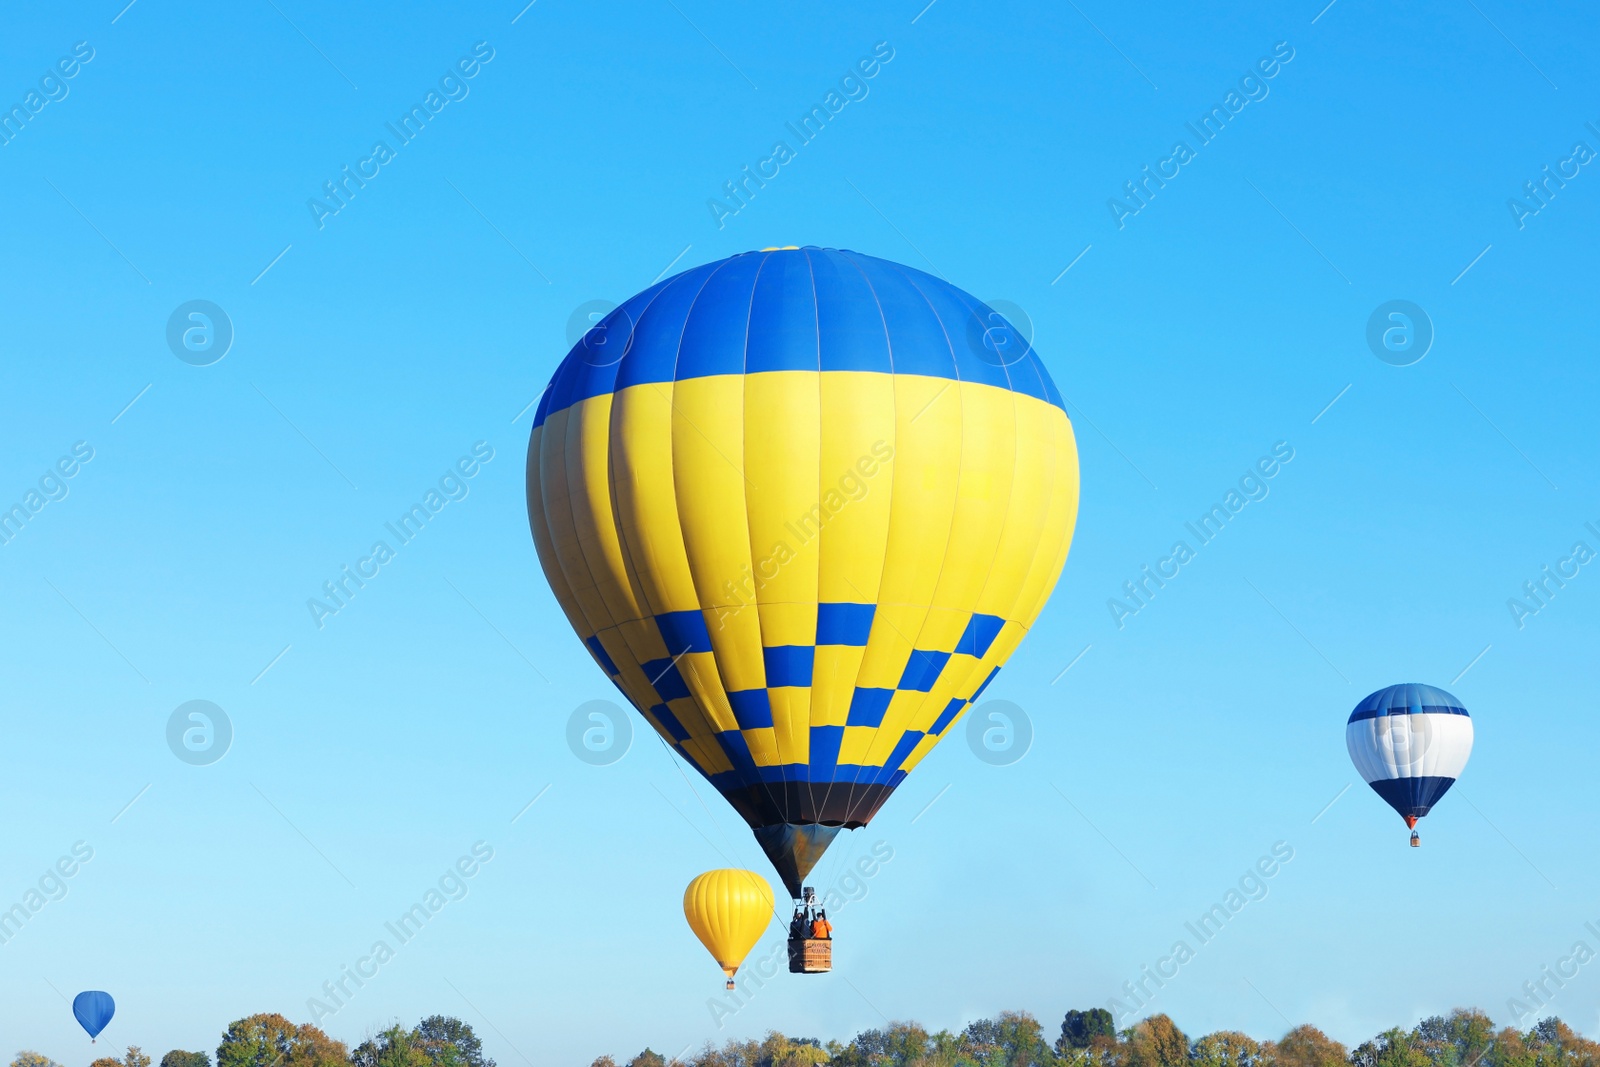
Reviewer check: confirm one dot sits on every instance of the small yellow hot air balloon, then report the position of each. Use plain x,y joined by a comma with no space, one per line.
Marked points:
728,910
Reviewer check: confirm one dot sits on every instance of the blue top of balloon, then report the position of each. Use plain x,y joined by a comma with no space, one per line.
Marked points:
94,1010
805,309
1409,698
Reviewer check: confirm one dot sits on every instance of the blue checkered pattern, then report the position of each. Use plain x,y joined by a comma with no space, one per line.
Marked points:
792,666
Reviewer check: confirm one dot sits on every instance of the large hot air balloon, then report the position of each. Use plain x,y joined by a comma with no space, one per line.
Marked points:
93,1010
1410,743
728,910
800,505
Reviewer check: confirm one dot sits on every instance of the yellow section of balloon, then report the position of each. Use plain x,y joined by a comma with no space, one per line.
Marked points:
728,910
754,499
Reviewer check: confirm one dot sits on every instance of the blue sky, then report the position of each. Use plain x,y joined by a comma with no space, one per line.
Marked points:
371,353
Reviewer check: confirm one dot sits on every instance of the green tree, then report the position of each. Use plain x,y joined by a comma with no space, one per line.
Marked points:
449,1042
1457,1040
135,1057
29,1058
1015,1039
1508,1049
896,1045
648,1058
1392,1048
1557,1045
1304,1046
776,1050
1472,1032
179,1058
270,1040
1226,1048
1157,1042
396,1047
1103,1050
733,1054
1080,1028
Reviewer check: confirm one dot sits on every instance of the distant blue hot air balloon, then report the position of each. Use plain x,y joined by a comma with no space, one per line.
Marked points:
1410,743
94,1010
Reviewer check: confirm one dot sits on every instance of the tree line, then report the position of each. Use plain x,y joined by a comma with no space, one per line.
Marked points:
1464,1038
270,1040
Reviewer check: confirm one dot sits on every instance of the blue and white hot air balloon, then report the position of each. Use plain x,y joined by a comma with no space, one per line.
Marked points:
1410,742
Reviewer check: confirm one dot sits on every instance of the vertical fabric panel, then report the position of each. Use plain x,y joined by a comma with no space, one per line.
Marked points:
785,516
593,524
566,550
1024,524
928,439
983,495
642,479
539,524
1055,533
709,483
785,509
858,461
642,485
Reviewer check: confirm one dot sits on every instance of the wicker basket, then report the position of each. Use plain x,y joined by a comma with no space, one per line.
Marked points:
811,955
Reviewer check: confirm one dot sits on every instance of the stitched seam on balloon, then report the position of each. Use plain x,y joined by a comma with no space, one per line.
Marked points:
811,696
1058,558
628,558
744,467
877,594
643,597
977,672
539,516
572,513
881,742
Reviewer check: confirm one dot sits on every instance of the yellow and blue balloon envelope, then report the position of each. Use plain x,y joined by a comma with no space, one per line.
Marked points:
801,505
